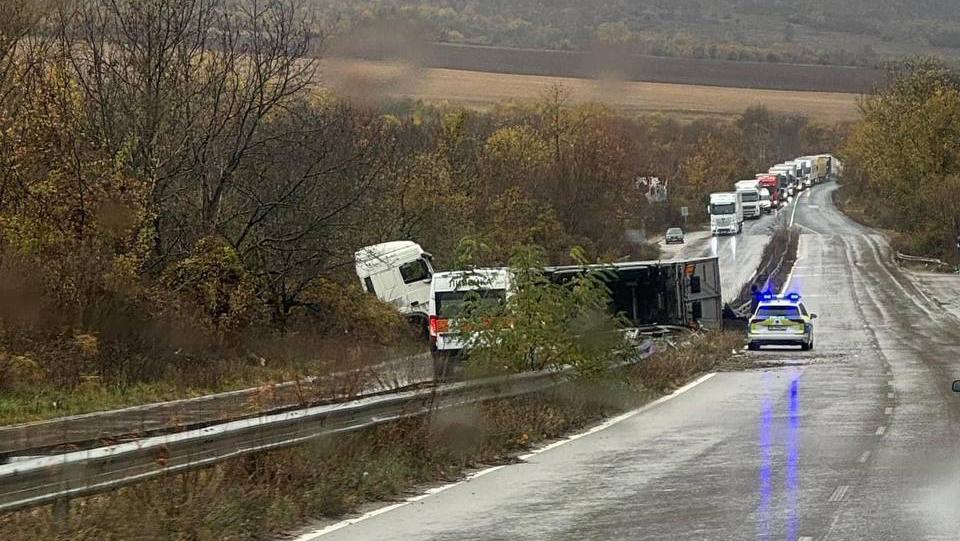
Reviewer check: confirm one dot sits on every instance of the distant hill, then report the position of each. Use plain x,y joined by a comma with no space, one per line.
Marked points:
838,32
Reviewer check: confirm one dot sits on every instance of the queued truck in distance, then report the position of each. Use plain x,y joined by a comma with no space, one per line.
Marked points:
726,213
771,183
806,170
789,182
821,169
796,168
749,192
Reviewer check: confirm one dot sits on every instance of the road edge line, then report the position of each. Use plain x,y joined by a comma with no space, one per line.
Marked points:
310,536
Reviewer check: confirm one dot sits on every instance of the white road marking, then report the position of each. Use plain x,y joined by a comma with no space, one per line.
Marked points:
881,430
310,536
793,215
839,493
888,411
805,538
864,457
890,395
810,229
890,383
786,284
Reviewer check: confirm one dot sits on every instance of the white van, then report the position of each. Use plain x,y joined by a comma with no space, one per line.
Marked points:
398,273
448,293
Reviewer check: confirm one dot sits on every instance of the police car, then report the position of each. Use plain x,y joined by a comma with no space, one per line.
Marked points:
781,320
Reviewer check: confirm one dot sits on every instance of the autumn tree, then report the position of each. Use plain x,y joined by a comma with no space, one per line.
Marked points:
905,155
185,88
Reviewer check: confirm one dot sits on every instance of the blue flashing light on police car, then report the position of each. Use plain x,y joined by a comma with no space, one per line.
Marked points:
780,320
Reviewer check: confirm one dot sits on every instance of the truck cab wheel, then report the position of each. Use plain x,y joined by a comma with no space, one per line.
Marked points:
419,327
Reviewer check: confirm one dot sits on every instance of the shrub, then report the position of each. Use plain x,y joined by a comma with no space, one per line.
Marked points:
215,281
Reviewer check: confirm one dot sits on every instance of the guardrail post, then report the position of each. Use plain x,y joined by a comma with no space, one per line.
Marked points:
61,515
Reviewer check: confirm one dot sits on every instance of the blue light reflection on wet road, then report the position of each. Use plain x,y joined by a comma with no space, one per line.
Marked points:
766,458
770,468
793,457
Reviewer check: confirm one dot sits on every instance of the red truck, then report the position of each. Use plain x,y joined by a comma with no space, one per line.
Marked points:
772,184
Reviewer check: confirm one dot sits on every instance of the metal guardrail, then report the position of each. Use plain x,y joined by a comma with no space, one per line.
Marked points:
916,259
89,429
43,480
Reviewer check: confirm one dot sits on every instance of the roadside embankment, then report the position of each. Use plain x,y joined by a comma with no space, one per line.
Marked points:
252,497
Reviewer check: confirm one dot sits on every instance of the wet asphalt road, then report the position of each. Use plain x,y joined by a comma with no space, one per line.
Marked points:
739,255
858,439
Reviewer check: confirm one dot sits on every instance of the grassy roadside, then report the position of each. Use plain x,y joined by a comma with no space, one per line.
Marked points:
854,209
253,497
30,397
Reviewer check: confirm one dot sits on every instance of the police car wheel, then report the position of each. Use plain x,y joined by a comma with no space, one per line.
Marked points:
805,346
753,347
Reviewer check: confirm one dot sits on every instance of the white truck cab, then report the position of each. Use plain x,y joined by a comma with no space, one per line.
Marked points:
726,213
791,179
806,170
749,192
398,273
796,168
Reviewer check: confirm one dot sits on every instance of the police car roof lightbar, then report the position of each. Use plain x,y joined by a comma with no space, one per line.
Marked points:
792,297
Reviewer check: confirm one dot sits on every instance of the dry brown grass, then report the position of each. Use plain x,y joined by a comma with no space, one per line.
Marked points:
370,80
673,366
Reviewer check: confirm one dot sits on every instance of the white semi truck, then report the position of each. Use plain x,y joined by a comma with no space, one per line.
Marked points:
398,273
750,197
788,173
807,164
726,213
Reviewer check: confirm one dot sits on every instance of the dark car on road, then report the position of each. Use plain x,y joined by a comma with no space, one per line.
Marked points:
674,235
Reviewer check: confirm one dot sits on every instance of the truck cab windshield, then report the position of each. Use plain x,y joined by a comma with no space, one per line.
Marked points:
750,197
723,208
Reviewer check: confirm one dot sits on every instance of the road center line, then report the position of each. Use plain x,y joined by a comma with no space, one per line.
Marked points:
310,536
793,215
839,493
881,430
888,411
864,457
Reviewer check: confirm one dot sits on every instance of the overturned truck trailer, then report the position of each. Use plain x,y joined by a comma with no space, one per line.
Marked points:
682,292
